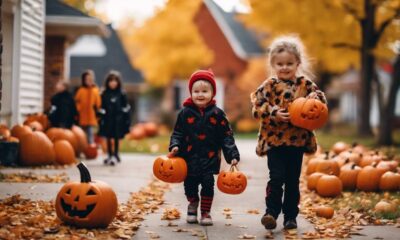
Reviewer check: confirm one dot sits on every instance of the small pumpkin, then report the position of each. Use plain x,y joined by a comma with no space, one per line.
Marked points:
38,117
4,134
65,153
19,130
170,169
368,179
313,179
137,132
328,166
313,162
87,203
36,149
232,181
324,211
308,113
91,151
35,126
385,207
370,159
81,138
150,129
329,186
348,176
339,147
390,181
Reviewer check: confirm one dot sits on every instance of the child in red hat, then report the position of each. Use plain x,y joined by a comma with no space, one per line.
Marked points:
201,131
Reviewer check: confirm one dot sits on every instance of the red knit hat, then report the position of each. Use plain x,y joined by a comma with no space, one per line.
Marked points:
206,75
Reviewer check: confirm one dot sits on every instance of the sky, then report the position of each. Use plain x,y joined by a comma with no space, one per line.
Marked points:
140,10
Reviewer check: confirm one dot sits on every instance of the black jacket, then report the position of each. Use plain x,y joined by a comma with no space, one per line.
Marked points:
200,136
115,114
63,110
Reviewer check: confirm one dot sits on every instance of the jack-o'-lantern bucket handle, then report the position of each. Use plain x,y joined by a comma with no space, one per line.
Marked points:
234,168
84,172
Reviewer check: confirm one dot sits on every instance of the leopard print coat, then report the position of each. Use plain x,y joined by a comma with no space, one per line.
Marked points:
272,95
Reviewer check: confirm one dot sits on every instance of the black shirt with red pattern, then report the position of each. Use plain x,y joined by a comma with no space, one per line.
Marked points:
201,134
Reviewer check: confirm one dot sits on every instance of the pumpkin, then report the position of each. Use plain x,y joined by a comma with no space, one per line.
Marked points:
91,151
87,203
4,133
388,165
150,129
170,169
312,164
19,130
313,179
36,149
329,186
358,148
368,179
308,113
232,181
385,207
137,132
35,126
390,181
348,176
370,159
328,166
38,117
339,147
81,138
324,211
55,134
13,139
65,154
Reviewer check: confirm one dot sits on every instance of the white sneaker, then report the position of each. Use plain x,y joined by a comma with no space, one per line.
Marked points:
206,220
191,219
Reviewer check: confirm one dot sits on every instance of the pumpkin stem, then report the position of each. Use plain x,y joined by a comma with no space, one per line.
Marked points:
85,174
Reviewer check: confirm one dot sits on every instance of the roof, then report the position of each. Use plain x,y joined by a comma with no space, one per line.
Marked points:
243,41
62,19
115,58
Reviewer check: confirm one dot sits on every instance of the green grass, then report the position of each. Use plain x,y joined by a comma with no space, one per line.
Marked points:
154,145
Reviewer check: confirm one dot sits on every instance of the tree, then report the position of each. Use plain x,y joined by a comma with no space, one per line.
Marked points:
88,7
340,33
168,45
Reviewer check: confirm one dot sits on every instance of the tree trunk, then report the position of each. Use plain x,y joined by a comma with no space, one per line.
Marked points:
387,108
367,69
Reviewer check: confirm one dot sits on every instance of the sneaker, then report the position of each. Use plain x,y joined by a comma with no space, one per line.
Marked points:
107,160
192,212
118,158
268,221
206,220
290,224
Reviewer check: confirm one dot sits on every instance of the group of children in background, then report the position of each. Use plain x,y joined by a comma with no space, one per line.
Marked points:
202,129
109,110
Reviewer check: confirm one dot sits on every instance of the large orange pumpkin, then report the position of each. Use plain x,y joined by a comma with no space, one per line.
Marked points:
329,186
39,117
348,176
170,169
368,179
308,113
232,181
390,181
339,147
65,154
328,166
19,130
151,129
55,134
81,138
87,203
313,179
36,149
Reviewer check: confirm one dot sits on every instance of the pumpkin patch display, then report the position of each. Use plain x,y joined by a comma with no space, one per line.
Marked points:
170,169
348,176
368,179
329,186
308,113
91,151
87,203
232,181
64,152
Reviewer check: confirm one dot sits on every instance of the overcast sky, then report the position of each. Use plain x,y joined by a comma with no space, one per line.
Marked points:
139,10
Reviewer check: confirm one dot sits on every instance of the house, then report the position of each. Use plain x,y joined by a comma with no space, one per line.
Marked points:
102,54
35,35
232,45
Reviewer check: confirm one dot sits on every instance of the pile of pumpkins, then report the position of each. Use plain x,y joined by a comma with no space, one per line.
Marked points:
351,168
40,144
143,130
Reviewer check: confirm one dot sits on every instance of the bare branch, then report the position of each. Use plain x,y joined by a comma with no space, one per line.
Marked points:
385,24
346,45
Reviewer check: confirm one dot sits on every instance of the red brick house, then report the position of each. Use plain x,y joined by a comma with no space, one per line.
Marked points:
232,45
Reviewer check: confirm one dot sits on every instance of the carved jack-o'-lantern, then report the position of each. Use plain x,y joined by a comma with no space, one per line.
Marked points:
170,169
87,203
308,113
232,181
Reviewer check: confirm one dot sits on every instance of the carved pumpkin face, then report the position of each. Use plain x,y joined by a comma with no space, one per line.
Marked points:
170,169
87,203
308,113
232,182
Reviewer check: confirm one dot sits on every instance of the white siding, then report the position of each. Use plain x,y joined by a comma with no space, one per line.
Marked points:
29,58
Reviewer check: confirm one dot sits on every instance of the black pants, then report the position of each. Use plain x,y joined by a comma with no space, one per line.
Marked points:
191,186
284,165
110,146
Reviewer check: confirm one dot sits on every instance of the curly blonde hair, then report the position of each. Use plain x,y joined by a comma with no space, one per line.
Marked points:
291,44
